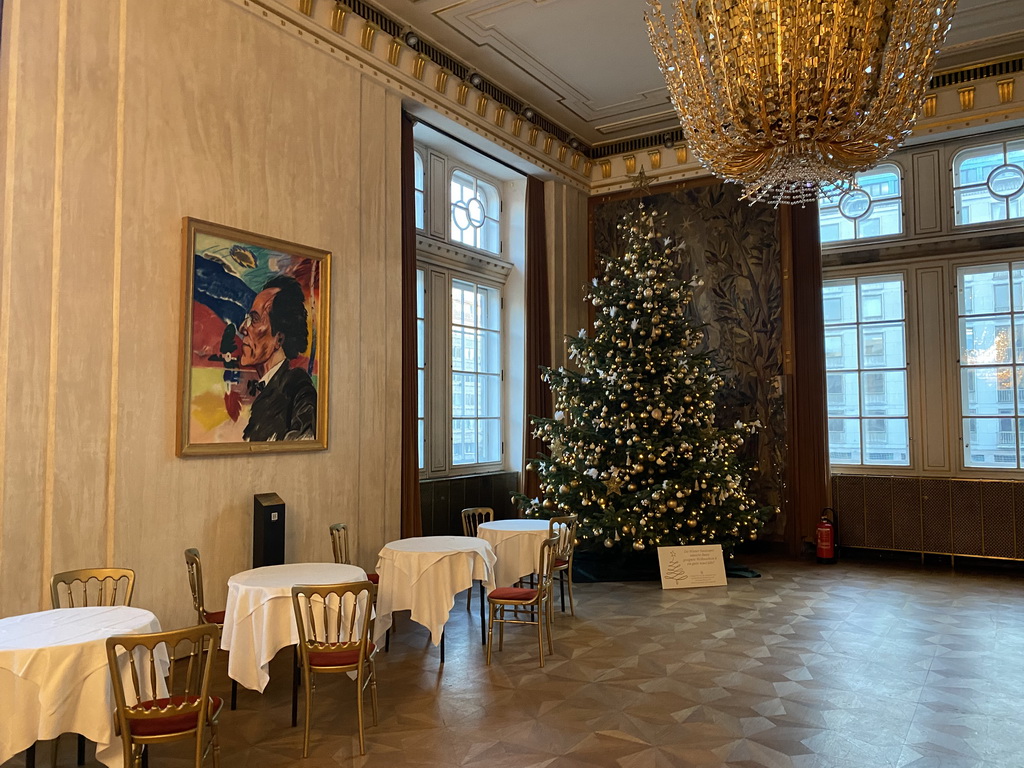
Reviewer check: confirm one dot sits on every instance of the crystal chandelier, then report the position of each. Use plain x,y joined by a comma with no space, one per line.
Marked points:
791,98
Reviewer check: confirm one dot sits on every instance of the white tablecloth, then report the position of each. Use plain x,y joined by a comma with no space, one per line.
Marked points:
54,677
516,544
259,619
423,574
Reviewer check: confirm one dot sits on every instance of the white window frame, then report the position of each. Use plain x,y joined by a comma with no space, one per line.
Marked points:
835,203
443,261
983,184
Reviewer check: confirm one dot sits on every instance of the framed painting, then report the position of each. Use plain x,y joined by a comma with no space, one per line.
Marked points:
254,360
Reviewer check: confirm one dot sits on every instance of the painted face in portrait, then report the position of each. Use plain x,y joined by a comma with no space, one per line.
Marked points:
260,346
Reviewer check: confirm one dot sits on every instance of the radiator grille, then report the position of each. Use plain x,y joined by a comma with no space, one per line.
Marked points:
980,518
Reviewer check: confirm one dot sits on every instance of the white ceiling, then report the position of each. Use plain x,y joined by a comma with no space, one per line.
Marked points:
587,65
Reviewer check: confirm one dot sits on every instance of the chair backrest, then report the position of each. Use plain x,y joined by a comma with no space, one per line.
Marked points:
334,617
339,543
564,529
546,564
195,581
473,516
163,674
92,587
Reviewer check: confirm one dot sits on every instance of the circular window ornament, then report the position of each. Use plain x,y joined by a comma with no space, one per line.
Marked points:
855,204
476,212
1006,181
460,215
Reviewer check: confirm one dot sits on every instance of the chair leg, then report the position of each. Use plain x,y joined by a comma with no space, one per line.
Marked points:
561,588
359,709
572,603
490,634
308,679
483,636
215,744
373,689
145,756
549,616
540,632
295,689
501,628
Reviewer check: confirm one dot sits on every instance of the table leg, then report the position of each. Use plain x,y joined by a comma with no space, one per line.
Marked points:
442,646
483,623
295,687
30,757
234,694
81,749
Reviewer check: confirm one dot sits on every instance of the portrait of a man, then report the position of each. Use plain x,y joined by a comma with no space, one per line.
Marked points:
254,362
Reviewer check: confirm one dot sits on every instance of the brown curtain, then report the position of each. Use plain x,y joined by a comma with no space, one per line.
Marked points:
412,519
538,326
809,483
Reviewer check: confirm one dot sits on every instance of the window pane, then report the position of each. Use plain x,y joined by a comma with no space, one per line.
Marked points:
463,395
844,441
489,398
463,441
972,166
884,393
886,442
840,301
987,391
841,348
881,346
985,340
983,290
881,298
990,443
488,308
489,351
843,395
874,208
489,437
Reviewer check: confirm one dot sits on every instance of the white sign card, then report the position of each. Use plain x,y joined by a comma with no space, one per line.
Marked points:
699,565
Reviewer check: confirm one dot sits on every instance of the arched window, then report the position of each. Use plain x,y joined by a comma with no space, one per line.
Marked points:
419,186
475,212
873,208
988,183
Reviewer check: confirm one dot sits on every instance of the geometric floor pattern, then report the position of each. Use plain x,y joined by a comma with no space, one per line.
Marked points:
854,665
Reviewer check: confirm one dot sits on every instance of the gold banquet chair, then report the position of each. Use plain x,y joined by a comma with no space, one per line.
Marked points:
537,599
89,587
194,566
186,712
86,587
471,519
564,528
334,636
339,543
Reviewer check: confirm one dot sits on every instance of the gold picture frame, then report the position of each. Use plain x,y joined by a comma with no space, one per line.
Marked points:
254,363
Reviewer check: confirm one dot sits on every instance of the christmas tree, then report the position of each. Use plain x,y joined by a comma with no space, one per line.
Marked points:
635,449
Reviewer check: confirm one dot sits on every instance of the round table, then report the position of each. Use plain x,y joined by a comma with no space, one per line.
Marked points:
259,619
517,546
423,574
54,677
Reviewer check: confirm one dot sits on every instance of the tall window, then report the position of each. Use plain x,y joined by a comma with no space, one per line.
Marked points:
421,365
866,371
476,374
475,212
874,208
420,186
991,333
988,183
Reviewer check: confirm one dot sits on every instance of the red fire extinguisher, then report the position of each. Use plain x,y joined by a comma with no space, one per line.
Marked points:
825,535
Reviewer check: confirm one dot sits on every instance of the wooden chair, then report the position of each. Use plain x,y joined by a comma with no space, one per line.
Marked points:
334,622
564,528
188,710
536,601
85,587
339,543
194,565
471,519
92,587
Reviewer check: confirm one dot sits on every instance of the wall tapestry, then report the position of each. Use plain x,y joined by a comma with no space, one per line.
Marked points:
734,248
253,370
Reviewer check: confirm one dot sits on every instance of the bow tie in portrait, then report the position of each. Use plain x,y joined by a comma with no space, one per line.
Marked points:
255,387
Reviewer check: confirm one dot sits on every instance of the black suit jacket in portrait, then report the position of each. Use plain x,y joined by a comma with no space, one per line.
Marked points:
285,409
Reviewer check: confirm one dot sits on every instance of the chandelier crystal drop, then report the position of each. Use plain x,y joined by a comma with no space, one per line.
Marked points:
791,98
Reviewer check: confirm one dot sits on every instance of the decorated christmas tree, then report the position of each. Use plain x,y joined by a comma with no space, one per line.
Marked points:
635,448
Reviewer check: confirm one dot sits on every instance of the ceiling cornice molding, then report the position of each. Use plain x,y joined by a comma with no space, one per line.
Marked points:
335,30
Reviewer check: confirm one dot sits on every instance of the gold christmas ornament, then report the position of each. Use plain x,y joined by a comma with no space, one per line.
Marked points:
791,98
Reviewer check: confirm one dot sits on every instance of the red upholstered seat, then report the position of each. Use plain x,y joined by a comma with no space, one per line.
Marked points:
512,593
373,578
214,617
171,723
560,563
337,658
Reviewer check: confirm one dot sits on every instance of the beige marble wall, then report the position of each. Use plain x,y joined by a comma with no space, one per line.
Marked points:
119,118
